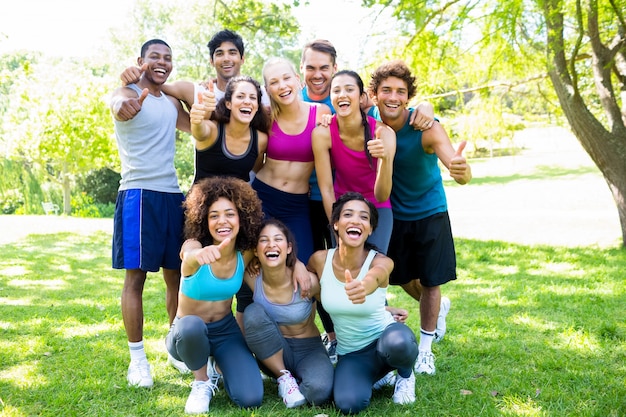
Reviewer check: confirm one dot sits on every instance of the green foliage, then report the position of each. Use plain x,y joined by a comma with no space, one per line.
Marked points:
100,184
20,191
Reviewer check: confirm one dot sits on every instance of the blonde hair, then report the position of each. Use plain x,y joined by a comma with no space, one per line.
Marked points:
271,62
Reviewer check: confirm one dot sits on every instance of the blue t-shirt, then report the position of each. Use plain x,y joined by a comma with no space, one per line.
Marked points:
417,190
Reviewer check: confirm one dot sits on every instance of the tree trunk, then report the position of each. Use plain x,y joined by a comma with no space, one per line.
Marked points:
606,148
67,192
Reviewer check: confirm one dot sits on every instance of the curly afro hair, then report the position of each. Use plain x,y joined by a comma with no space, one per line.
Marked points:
206,192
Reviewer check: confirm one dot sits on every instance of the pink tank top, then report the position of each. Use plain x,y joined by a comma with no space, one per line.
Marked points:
352,168
297,148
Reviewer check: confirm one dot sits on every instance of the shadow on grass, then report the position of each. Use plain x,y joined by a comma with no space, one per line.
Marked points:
541,172
533,330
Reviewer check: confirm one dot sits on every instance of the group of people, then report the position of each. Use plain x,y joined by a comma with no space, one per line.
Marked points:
307,197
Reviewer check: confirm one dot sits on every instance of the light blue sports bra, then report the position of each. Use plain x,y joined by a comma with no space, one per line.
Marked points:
205,286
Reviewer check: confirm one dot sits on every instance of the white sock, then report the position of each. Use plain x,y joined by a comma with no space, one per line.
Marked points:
136,351
426,340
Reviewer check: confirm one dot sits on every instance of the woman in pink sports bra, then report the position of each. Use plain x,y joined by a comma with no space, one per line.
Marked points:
283,182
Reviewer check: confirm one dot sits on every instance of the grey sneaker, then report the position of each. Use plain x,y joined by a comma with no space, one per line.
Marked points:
201,394
387,381
404,392
139,374
331,347
444,308
214,376
425,363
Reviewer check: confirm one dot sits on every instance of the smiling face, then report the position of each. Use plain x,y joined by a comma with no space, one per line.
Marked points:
159,60
318,69
244,102
354,226
227,61
392,96
345,95
223,219
273,247
281,82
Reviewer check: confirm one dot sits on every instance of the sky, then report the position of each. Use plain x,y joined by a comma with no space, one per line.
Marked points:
76,27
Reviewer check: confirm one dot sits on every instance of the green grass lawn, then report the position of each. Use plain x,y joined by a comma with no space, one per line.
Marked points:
533,331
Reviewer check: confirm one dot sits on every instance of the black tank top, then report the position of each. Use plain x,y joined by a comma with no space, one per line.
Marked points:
216,160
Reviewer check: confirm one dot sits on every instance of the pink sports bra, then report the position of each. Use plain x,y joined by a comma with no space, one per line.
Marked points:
297,148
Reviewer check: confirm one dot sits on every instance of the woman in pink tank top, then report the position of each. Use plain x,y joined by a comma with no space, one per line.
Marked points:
360,150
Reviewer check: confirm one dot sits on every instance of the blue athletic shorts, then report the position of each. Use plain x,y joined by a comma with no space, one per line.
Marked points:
148,230
422,249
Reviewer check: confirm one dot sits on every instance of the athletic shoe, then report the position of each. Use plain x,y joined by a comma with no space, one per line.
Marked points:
200,397
214,376
180,365
139,373
387,381
444,308
404,392
331,347
289,391
425,363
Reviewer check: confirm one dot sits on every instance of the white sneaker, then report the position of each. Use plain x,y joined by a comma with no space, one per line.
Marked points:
388,380
214,376
180,365
139,374
425,363
200,397
289,391
444,308
404,392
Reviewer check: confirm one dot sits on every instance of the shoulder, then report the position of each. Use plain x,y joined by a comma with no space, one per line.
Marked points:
316,261
382,260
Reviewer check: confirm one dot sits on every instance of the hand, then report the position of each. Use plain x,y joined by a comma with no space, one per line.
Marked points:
399,314
376,146
212,253
325,120
129,107
208,98
423,117
459,169
197,112
133,74
254,268
354,289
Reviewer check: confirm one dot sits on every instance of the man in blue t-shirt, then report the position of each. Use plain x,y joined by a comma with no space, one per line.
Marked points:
421,244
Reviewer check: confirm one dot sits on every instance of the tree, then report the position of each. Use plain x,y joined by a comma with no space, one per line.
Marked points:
579,44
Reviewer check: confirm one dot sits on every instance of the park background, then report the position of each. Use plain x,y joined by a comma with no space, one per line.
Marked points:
537,325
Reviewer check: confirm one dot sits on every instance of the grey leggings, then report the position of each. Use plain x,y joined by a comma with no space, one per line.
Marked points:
357,371
305,358
192,340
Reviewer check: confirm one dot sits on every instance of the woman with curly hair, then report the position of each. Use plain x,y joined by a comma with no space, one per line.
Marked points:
224,215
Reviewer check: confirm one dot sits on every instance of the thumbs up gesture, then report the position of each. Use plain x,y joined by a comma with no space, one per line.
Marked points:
210,254
204,105
459,168
132,74
129,107
354,289
375,146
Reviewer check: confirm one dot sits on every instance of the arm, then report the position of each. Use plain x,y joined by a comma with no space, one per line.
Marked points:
383,147
260,159
436,140
321,151
302,277
182,122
